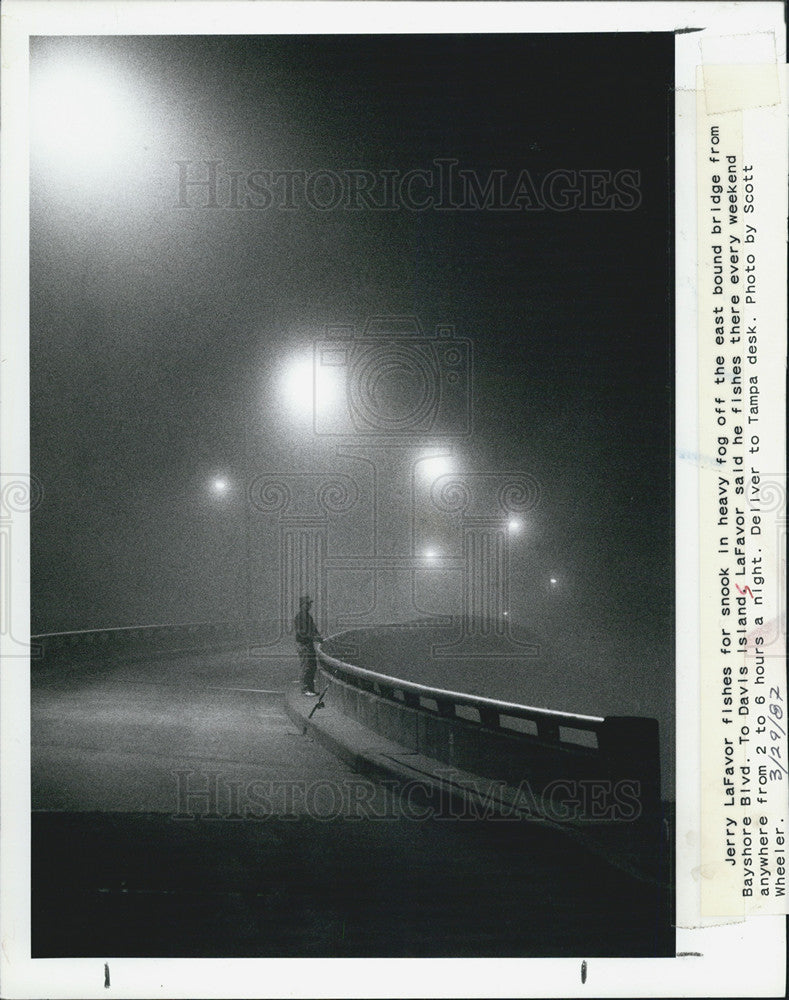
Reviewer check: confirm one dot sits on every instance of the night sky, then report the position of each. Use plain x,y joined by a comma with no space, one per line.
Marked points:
157,332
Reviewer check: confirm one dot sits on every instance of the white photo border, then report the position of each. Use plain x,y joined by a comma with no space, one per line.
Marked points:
715,958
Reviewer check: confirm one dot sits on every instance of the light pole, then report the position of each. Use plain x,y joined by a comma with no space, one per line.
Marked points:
222,487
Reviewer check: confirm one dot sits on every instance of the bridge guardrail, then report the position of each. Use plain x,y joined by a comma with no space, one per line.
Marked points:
499,739
168,635
548,722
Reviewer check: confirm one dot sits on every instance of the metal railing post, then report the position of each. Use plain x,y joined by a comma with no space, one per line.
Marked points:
632,746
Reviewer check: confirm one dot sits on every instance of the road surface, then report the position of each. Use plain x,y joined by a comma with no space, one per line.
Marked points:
178,812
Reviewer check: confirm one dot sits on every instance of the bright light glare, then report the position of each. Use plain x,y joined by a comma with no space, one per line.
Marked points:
514,525
431,467
309,390
554,581
220,485
80,117
430,554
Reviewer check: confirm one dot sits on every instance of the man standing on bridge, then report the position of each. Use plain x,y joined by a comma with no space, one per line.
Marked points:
306,637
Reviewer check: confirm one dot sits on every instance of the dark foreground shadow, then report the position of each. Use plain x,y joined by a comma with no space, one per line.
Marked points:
136,885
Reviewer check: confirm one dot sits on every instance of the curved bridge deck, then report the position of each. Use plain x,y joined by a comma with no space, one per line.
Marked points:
179,812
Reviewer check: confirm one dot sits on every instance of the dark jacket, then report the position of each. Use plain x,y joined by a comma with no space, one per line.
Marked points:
306,632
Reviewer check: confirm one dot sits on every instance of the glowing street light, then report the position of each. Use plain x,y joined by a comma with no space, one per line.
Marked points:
84,119
514,525
297,385
221,486
430,554
310,390
431,467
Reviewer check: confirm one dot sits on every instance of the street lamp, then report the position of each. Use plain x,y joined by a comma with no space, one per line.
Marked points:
84,118
221,486
432,467
310,391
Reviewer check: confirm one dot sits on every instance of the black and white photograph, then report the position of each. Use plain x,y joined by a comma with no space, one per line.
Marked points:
352,571
353,552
